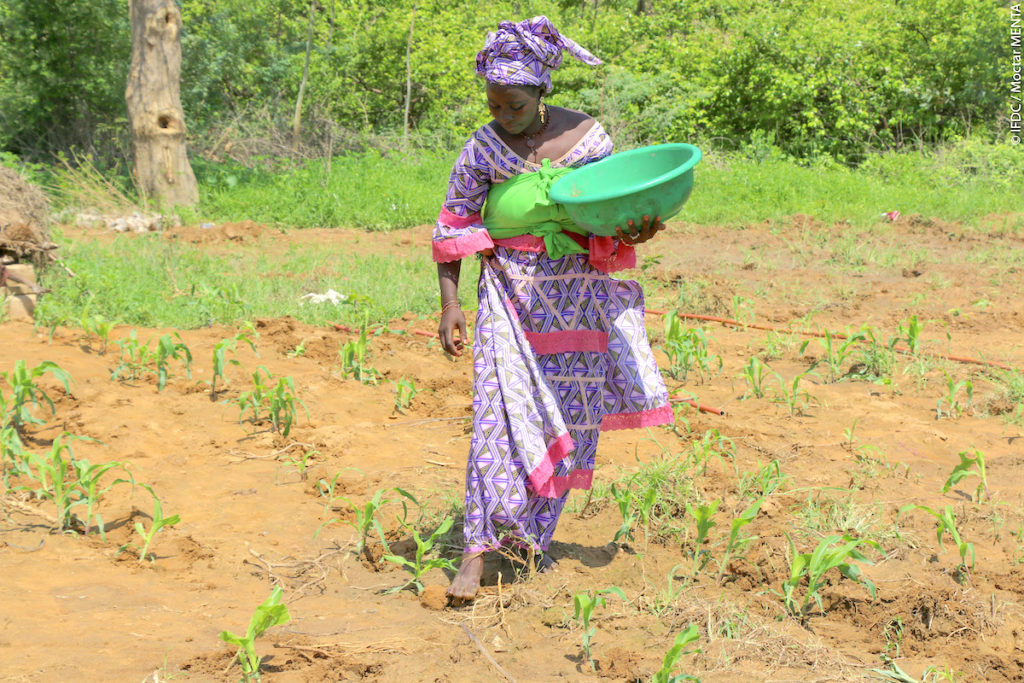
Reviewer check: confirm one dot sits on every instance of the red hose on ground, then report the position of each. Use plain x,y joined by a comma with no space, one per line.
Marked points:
815,333
698,406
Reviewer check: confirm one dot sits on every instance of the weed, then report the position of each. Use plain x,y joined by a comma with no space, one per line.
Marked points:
687,350
711,445
419,566
776,345
814,565
675,653
270,613
790,393
1009,386
837,352
655,496
969,467
894,632
954,408
584,604
876,359
742,309
405,392
762,483
26,394
946,524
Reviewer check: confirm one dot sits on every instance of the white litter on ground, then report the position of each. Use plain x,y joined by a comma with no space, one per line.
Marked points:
330,296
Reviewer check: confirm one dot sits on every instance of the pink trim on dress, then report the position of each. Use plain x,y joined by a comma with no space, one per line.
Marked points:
645,418
455,248
567,341
556,486
558,449
531,243
456,221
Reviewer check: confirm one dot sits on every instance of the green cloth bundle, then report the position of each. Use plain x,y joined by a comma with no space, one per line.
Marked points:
521,206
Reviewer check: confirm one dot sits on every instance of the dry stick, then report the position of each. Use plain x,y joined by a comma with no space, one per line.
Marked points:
834,335
476,641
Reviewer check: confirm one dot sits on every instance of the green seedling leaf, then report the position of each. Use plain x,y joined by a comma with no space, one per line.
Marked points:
676,653
269,614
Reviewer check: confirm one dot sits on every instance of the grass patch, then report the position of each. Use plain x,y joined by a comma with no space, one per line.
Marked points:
384,191
150,282
368,190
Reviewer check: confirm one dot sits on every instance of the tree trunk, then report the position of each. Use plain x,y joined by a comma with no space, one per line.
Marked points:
302,85
162,170
408,79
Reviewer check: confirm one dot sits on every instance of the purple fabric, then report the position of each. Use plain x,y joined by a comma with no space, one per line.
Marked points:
565,300
523,399
484,160
524,53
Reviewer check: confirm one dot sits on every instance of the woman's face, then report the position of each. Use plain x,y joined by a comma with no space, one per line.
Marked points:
514,107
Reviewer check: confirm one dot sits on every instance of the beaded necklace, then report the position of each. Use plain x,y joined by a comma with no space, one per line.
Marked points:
542,111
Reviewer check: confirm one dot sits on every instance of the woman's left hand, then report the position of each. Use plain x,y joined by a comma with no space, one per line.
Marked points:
647,230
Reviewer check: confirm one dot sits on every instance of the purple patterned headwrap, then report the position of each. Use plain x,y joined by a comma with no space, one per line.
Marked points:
525,53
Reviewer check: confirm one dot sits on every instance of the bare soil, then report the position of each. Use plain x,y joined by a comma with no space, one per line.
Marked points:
72,607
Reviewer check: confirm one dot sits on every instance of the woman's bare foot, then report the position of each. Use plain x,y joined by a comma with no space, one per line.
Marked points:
467,581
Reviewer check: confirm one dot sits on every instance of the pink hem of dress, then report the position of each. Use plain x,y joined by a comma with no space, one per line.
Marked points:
567,341
559,448
644,418
455,248
556,486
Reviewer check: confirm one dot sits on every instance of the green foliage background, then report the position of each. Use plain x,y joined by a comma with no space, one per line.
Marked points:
840,78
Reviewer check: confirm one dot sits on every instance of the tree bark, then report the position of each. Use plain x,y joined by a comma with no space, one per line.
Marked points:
162,170
296,125
408,79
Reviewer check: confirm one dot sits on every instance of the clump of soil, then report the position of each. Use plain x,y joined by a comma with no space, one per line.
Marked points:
24,221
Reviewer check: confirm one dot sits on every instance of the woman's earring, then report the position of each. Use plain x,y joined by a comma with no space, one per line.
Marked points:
542,112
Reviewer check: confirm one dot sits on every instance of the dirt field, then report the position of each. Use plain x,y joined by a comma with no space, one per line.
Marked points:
73,609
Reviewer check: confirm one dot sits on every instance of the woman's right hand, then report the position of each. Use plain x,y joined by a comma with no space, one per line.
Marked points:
452,330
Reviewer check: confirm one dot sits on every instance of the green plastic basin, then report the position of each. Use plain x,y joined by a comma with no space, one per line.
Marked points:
653,181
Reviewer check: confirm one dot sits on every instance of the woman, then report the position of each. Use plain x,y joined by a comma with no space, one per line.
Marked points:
561,351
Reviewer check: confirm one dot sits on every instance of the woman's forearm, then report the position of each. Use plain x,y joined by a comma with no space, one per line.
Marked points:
448,280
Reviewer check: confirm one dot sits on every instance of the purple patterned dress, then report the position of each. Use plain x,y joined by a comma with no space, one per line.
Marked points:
560,353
